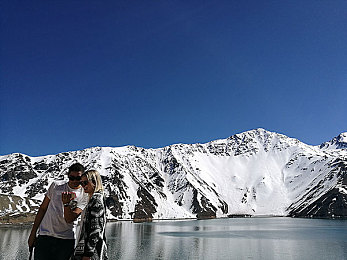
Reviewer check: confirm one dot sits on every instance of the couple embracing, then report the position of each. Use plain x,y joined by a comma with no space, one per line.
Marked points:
56,221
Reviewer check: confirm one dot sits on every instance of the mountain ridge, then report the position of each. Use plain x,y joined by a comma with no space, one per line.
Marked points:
256,172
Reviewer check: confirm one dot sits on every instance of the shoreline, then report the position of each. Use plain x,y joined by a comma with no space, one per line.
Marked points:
139,221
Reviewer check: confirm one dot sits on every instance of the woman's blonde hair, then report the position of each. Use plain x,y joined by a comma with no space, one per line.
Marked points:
94,176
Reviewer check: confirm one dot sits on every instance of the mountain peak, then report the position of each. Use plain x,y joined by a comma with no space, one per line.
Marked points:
256,131
343,137
338,142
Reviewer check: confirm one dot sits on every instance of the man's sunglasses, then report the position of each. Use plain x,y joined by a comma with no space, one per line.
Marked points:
84,183
74,178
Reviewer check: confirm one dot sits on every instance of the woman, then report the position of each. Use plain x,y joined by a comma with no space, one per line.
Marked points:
92,240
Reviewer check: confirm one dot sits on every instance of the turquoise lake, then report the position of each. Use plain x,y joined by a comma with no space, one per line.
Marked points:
237,238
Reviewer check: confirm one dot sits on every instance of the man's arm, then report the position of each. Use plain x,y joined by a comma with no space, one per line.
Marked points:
70,215
39,216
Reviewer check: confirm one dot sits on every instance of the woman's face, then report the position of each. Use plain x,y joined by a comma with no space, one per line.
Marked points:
88,186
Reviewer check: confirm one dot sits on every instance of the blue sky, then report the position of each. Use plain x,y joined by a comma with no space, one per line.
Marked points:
78,74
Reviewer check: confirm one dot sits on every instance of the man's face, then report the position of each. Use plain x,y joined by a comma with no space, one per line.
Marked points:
75,179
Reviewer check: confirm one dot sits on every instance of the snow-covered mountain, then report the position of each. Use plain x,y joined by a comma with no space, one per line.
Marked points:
256,172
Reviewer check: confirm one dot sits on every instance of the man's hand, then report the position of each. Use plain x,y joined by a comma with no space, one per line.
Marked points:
70,214
31,240
66,197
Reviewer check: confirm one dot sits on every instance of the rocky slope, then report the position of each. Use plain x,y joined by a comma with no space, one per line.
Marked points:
256,172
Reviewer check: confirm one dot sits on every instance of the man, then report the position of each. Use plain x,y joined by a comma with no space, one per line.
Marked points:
56,238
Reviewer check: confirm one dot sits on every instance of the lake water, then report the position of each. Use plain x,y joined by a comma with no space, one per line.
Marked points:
243,238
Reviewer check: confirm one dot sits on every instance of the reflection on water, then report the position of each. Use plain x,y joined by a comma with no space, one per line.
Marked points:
255,238
13,243
251,238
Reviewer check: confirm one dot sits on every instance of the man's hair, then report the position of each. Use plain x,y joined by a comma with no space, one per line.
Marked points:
76,167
